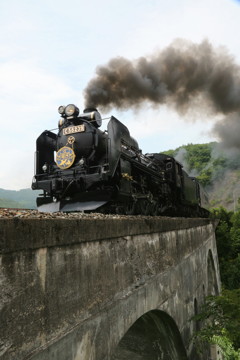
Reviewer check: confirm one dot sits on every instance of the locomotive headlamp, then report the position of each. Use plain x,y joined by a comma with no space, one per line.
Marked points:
81,161
61,109
71,110
45,167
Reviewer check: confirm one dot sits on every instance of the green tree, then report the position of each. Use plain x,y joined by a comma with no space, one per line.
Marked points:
221,318
221,314
228,246
230,273
235,233
223,236
198,158
205,177
225,346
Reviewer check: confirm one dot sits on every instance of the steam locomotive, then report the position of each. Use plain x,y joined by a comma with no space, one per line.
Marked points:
82,168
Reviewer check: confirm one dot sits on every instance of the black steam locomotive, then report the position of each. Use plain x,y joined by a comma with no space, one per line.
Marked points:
82,168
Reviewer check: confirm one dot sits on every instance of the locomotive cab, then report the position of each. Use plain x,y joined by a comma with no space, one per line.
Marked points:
171,167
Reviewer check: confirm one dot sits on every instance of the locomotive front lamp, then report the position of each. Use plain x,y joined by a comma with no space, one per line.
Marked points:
71,110
45,167
61,109
81,161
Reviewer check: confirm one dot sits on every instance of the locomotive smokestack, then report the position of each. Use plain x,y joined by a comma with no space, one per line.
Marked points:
182,76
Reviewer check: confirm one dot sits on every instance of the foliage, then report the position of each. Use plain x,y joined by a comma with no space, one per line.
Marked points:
198,156
205,177
171,152
226,347
230,270
217,170
197,159
228,246
223,231
235,233
219,173
221,316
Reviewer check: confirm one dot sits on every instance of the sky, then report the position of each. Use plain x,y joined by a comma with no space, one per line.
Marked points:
50,50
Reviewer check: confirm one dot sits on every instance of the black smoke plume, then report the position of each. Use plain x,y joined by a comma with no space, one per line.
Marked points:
183,76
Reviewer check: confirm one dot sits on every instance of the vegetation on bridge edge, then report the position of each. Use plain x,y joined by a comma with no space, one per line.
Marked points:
221,314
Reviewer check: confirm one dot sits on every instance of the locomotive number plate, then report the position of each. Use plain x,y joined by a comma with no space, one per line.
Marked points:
73,129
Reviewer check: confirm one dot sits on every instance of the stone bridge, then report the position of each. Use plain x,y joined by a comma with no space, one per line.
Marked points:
104,288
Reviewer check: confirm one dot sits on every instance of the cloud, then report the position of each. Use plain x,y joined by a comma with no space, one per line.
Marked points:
216,20
29,98
27,92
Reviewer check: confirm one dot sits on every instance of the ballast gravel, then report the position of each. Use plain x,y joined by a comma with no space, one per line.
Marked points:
28,213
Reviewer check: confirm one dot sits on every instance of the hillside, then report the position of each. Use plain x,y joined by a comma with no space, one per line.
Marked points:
216,169
25,198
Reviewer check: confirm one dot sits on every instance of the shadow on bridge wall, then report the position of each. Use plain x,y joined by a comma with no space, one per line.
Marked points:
153,336
212,288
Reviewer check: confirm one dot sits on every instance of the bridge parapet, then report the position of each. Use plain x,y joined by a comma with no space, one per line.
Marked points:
71,288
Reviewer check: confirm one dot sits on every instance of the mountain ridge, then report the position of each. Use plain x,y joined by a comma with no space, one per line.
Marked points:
23,198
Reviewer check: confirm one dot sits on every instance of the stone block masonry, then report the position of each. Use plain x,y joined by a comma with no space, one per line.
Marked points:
72,286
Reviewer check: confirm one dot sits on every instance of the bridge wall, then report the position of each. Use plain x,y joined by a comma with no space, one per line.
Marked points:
72,288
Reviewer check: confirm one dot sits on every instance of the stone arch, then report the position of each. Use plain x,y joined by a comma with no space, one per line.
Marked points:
212,285
153,336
